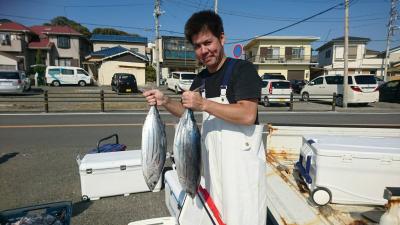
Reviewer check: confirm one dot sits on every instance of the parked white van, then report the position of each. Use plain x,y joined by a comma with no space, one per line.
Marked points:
363,89
58,75
180,81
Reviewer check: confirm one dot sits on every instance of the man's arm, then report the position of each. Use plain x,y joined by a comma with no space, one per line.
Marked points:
243,112
156,97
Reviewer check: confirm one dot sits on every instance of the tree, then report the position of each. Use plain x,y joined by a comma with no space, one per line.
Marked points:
39,67
150,74
5,21
111,31
64,21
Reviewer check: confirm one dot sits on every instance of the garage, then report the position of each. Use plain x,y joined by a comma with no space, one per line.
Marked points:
105,63
295,75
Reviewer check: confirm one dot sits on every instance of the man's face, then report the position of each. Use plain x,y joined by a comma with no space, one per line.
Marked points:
209,49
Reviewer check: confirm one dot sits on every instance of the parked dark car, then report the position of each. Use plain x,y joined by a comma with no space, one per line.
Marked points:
124,83
297,85
390,91
273,76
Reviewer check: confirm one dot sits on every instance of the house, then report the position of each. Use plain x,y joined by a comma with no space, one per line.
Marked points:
394,62
286,55
103,64
133,43
360,59
176,54
59,45
14,39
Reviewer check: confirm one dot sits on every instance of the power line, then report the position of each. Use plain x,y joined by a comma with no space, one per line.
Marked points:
291,25
192,4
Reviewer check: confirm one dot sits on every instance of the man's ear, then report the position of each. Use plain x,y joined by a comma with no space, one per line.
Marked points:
222,38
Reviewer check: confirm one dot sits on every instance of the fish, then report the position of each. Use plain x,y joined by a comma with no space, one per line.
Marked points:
154,147
187,153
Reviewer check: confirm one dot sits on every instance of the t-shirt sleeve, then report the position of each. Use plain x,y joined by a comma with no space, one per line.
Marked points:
197,82
247,83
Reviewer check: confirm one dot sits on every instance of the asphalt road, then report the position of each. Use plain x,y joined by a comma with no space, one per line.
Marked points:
38,152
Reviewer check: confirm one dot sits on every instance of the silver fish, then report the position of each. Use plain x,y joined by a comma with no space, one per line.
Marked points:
187,152
154,147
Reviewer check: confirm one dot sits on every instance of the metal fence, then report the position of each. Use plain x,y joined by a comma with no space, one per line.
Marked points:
108,101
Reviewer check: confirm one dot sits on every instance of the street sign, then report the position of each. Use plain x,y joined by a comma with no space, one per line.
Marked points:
237,50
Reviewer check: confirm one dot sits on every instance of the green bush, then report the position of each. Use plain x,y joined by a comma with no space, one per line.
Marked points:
150,74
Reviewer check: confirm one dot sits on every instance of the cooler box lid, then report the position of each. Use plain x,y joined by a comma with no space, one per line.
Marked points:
356,146
108,160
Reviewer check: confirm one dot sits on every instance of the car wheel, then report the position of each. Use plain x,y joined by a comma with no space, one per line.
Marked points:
82,83
305,97
56,83
339,100
266,101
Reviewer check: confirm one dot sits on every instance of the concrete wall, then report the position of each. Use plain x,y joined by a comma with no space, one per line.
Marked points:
109,68
7,62
283,69
141,47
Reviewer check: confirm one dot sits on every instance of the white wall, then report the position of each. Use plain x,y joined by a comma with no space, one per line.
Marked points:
108,68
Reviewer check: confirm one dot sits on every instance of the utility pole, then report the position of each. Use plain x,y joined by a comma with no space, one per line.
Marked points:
157,14
346,55
391,29
216,6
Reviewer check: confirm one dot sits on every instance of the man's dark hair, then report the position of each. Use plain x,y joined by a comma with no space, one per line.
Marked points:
203,20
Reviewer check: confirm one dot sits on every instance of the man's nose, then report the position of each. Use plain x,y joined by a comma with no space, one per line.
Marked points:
203,49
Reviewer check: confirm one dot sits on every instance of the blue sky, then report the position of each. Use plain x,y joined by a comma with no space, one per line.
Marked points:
242,19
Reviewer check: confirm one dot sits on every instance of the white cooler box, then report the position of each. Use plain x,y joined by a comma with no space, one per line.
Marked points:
349,169
112,173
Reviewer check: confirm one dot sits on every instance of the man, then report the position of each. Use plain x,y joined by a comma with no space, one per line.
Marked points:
233,156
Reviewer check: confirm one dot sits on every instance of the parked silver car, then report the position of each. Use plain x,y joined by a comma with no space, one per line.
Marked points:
13,82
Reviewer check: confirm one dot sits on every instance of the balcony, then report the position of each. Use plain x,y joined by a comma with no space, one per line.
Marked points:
280,59
181,55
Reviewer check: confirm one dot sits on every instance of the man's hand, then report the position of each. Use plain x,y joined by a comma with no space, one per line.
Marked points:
193,100
155,97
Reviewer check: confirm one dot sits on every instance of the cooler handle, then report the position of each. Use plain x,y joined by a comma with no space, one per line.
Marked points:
106,138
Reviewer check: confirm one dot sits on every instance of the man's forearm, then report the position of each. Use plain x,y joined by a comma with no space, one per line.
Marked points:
174,107
243,112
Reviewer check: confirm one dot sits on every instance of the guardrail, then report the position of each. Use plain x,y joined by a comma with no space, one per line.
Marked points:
276,98
103,100
46,101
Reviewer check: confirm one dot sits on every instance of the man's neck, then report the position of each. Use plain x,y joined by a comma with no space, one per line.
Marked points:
215,69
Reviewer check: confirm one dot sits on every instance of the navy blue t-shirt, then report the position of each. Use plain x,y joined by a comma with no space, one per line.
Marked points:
244,83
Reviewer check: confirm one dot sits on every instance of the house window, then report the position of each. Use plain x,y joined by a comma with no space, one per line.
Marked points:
63,62
352,52
273,53
63,42
297,53
328,54
5,39
339,52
